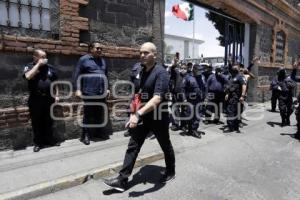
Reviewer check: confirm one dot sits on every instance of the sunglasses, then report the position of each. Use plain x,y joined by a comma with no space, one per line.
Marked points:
98,48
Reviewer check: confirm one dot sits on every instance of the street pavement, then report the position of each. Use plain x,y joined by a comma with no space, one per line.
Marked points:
260,163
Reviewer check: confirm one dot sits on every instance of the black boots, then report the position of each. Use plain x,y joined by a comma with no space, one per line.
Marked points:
85,139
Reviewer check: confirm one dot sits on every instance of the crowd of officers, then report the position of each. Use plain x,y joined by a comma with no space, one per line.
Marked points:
282,87
200,93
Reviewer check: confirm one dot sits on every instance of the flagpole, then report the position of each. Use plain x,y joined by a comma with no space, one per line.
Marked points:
194,35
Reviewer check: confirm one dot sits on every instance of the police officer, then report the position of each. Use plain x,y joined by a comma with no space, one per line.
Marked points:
235,95
90,83
198,74
275,93
297,79
285,87
175,89
40,75
216,93
153,116
207,72
191,94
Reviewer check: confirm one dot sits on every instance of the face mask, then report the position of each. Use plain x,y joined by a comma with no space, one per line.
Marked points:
183,71
235,71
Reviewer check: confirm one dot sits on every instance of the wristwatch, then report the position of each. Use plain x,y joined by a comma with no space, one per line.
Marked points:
138,116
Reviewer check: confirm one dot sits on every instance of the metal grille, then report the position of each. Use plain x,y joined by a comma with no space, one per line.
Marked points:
30,14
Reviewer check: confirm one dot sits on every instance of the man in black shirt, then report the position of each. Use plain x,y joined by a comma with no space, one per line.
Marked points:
152,88
40,75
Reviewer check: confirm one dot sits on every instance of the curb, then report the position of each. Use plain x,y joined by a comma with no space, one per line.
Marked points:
76,179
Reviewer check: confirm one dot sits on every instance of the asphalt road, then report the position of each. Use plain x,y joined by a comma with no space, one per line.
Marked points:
261,163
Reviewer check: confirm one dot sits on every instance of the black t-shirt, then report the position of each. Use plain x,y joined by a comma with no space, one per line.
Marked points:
154,82
41,82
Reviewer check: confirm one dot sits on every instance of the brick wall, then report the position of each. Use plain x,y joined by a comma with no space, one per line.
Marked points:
71,24
120,25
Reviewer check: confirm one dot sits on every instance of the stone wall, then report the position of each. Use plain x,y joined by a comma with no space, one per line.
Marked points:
121,26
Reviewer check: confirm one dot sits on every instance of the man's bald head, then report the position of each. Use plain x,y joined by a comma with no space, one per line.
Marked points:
39,52
149,46
148,54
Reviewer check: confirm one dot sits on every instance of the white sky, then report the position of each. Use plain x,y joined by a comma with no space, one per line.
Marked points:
204,29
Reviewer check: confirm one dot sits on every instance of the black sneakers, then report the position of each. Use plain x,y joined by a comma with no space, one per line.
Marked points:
175,128
116,184
167,177
36,148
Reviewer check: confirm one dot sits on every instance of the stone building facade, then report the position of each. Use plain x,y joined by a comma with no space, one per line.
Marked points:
274,35
121,26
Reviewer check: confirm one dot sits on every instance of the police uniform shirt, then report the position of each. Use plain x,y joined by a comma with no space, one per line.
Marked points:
87,64
190,87
216,83
236,83
41,82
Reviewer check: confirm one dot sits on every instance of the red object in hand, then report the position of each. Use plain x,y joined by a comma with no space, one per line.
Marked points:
135,103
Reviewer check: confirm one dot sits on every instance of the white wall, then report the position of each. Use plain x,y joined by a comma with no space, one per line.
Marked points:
178,46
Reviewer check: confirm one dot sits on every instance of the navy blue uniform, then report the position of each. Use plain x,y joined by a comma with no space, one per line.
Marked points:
285,87
202,85
275,93
234,91
216,94
297,79
153,82
92,86
39,103
175,89
192,94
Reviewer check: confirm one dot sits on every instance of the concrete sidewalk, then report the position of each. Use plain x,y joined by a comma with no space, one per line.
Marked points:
26,175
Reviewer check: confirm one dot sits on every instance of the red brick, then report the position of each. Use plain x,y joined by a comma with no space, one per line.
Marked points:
25,39
45,46
15,44
3,126
11,120
67,52
10,37
75,35
22,109
20,49
70,39
9,48
54,51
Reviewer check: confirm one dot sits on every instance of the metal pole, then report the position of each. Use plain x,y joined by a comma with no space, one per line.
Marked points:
194,36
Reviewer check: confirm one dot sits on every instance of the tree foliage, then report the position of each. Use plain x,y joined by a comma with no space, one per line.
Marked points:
219,23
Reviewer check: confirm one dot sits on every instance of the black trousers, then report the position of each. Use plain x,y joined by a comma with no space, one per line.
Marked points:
217,102
298,122
138,135
39,109
193,123
285,107
234,109
176,111
274,98
94,117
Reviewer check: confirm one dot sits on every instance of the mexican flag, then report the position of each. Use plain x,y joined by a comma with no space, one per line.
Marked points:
184,11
